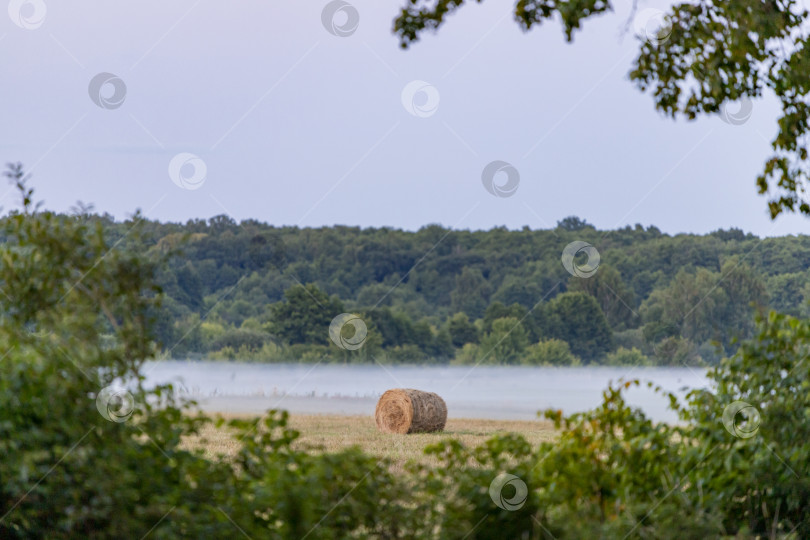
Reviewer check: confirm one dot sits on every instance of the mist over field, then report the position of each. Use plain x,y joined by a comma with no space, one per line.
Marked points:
516,393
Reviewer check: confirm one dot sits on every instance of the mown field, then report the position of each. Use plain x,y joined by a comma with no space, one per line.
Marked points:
332,433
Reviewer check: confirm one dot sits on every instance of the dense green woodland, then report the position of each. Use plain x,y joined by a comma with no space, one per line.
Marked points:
251,291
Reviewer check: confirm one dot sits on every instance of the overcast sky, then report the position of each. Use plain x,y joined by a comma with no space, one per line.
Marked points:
293,125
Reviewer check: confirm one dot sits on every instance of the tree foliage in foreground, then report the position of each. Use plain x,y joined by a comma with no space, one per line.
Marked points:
706,55
74,468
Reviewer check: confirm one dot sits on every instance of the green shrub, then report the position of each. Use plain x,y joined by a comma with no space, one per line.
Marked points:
627,357
550,352
470,354
77,316
676,351
631,338
239,338
403,354
505,343
760,478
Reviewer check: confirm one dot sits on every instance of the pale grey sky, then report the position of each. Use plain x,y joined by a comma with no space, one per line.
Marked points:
298,126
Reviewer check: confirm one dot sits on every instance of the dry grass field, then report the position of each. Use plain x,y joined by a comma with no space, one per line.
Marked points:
333,433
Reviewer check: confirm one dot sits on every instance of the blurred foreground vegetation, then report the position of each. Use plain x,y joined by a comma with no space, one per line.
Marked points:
83,461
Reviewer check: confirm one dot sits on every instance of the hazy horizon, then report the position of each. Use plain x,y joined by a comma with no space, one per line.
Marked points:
101,213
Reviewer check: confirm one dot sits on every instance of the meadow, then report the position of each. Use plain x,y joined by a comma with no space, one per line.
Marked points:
333,433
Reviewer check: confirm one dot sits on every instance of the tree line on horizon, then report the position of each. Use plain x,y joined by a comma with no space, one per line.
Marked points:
252,291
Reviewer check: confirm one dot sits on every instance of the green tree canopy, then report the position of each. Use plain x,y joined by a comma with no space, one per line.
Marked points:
505,342
702,305
613,296
471,294
576,318
305,314
462,330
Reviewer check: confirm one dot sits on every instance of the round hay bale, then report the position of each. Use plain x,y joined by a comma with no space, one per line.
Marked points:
405,410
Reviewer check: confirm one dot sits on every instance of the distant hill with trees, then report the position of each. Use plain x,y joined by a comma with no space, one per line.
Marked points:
253,291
